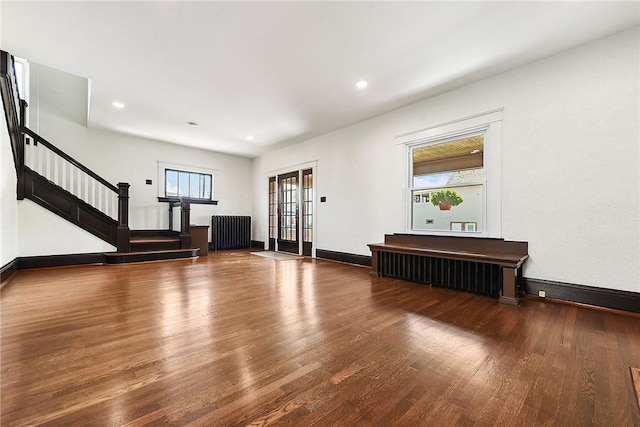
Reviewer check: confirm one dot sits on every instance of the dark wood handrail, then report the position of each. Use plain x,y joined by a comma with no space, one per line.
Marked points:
83,168
9,91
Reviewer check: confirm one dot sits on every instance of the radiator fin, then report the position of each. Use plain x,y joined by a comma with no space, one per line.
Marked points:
468,276
230,232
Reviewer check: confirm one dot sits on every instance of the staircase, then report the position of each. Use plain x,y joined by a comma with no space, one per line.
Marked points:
152,245
56,181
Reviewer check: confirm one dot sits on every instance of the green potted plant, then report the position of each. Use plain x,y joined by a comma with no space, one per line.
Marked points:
444,199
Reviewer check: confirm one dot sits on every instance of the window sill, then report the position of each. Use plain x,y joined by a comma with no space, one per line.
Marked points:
187,199
450,233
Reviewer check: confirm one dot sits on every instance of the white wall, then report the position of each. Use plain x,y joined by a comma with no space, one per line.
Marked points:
121,158
570,145
45,233
9,211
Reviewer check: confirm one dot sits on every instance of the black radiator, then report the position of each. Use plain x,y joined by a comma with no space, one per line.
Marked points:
230,232
467,276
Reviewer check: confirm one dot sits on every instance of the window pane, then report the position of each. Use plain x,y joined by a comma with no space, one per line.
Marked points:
431,180
207,187
448,185
194,185
440,217
188,184
20,77
170,183
459,154
183,184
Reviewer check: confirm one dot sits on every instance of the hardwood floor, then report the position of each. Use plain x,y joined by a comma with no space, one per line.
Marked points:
238,339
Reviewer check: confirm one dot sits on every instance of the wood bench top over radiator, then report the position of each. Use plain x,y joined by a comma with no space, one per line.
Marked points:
510,256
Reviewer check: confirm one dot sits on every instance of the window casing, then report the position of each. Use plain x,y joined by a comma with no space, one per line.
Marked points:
488,124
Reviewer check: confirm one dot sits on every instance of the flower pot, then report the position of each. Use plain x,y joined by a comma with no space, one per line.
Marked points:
444,206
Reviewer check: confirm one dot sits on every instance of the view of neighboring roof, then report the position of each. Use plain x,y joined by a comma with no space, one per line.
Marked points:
468,177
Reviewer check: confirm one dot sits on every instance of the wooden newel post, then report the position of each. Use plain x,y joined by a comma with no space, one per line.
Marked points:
20,190
185,225
23,113
123,218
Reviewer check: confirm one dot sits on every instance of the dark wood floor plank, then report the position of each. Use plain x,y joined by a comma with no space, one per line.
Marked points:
235,339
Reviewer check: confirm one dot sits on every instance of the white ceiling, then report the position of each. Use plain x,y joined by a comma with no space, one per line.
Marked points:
285,71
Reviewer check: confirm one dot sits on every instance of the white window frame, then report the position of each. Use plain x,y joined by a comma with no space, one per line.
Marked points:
490,124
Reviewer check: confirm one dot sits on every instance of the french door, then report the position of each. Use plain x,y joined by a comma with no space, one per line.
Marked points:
288,213
291,212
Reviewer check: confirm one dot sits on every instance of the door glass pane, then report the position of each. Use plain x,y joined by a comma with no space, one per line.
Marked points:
273,208
288,220
307,205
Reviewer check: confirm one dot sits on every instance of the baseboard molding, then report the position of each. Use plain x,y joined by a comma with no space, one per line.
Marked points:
364,260
609,298
257,244
60,260
8,270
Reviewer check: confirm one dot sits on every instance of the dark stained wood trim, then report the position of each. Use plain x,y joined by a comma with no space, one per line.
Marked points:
501,259
187,199
64,204
123,258
8,270
456,243
344,257
257,244
22,263
8,90
273,218
59,260
173,233
200,238
185,225
600,297
307,211
123,233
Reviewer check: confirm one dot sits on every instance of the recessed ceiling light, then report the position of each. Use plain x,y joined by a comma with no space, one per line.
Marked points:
249,138
117,104
192,124
362,84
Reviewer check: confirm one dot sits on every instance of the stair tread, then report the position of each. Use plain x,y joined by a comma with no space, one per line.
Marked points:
148,256
153,233
150,252
153,239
